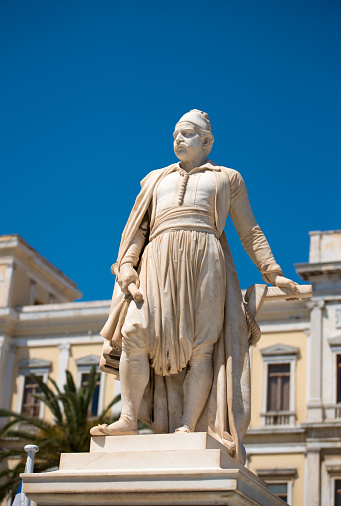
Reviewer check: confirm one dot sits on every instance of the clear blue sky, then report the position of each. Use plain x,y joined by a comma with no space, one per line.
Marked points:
90,93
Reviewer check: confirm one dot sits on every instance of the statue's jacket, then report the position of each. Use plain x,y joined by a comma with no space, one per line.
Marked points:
226,415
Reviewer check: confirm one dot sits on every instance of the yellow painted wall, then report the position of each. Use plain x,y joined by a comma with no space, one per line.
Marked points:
295,339
281,461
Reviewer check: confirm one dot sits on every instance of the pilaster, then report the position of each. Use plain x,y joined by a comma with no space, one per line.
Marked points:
312,469
6,357
64,355
314,385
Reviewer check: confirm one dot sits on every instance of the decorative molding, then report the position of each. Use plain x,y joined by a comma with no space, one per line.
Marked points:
283,326
32,342
35,363
334,340
279,349
333,469
64,346
90,360
284,473
318,303
276,449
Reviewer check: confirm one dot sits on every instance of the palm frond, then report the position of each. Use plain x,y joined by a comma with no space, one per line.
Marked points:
70,384
106,410
69,431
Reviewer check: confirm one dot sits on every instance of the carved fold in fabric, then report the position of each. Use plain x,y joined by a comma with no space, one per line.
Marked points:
133,253
188,217
270,269
184,313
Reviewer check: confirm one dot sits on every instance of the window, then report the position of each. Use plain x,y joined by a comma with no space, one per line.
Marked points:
338,378
333,468
279,489
332,404
27,404
337,498
84,366
278,387
93,408
30,404
280,481
278,392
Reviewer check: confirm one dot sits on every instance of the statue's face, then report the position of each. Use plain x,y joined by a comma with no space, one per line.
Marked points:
188,144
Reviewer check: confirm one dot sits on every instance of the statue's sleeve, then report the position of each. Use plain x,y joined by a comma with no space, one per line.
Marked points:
135,247
250,234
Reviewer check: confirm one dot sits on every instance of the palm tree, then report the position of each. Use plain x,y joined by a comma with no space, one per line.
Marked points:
68,432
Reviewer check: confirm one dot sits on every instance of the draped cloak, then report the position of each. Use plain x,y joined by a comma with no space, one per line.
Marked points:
226,415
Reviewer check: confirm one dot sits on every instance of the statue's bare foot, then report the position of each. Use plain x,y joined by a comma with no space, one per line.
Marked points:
122,427
183,428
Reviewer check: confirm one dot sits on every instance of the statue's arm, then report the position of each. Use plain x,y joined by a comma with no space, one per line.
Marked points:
127,273
134,249
251,235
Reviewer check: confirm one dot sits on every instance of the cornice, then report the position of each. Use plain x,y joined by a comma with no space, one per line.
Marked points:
35,363
308,270
279,349
88,360
334,340
47,318
17,248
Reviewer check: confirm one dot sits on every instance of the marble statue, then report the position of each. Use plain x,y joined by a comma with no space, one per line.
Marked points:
177,324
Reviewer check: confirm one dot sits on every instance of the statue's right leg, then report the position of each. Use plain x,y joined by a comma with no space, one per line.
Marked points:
134,377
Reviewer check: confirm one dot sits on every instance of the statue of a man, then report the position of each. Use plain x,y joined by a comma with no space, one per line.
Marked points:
185,363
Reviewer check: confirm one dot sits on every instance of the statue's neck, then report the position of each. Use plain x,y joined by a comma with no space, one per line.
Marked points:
188,165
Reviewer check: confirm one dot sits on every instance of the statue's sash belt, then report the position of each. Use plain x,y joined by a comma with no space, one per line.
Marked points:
185,218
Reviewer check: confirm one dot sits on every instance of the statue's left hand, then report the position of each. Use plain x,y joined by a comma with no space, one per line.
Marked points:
283,282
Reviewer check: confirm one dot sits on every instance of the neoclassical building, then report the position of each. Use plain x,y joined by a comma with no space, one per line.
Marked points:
294,440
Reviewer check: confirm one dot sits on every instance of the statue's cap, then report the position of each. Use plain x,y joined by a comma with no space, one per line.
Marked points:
198,118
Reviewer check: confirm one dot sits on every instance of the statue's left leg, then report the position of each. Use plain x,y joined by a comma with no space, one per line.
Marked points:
197,386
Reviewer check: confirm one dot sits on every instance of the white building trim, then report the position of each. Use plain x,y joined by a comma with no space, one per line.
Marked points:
314,373
270,449
64,355
32,342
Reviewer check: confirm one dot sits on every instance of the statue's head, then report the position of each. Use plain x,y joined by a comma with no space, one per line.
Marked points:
192,135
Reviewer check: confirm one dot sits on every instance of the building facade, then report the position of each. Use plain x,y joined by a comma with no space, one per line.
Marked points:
294,439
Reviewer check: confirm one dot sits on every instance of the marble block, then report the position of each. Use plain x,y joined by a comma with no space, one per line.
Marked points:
166,469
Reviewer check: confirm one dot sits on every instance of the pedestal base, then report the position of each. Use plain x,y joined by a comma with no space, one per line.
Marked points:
164,469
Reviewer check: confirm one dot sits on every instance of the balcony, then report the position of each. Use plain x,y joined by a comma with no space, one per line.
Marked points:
332,411
278,418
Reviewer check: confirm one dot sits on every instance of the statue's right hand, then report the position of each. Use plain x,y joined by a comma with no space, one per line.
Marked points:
127,274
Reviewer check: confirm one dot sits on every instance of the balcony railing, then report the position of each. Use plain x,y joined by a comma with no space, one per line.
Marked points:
276,418
332,412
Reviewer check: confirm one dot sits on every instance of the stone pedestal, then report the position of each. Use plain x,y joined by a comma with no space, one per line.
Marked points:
165,469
